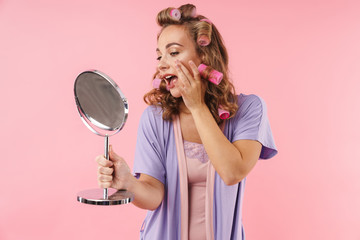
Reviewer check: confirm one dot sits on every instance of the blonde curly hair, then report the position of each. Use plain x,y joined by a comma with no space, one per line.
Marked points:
214,55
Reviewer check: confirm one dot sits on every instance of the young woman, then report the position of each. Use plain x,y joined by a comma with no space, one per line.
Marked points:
190,162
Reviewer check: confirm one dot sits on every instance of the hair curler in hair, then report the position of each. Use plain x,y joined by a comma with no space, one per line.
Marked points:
156,82
206,20
193,12
203,40
214,76
175,13
223,114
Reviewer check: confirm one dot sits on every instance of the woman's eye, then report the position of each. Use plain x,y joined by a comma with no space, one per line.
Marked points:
173,54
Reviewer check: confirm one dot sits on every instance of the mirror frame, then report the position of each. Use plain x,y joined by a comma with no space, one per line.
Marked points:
90,121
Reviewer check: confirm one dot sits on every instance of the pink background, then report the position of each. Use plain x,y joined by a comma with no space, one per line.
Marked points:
301,57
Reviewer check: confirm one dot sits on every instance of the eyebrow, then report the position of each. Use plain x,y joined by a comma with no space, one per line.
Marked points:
169,45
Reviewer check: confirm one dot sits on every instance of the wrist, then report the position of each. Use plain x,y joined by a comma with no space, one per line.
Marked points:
201,110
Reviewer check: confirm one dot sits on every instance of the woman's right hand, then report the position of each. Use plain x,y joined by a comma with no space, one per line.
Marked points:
113,173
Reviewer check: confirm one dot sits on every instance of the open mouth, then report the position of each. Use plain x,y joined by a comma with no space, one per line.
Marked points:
169,78
170,81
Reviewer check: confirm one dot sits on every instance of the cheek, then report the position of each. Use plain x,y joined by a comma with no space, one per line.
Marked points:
196,59
184,59
189,55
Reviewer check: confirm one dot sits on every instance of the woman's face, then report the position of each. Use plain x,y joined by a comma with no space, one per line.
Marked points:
174,43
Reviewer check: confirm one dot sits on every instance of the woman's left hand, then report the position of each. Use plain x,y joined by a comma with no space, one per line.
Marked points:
190,85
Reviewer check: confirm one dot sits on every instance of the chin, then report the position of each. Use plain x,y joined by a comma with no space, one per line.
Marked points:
175,93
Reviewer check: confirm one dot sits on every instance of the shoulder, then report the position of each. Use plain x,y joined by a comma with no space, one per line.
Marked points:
250,103
152,116
152,113
153,128
244,100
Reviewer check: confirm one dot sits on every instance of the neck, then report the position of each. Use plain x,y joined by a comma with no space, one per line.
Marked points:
184,109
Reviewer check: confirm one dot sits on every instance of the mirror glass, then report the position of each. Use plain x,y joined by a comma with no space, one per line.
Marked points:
100,101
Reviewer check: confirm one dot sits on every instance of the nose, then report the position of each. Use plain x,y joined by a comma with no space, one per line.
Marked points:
163,65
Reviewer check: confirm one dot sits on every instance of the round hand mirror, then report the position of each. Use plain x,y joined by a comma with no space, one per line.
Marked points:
104,110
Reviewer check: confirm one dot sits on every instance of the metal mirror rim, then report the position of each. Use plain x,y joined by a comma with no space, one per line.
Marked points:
82,113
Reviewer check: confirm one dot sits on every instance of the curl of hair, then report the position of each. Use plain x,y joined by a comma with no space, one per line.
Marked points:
214,55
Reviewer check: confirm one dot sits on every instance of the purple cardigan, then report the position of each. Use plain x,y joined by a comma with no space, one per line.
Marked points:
156,156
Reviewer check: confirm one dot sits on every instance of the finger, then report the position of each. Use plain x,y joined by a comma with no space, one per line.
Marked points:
188,75
105,170
195,71
181,74
105,178
113,156
102,161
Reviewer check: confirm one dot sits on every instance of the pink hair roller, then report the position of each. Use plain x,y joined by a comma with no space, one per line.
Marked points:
206,20
214,76
193,12
203,41
175,13
223,114
156,83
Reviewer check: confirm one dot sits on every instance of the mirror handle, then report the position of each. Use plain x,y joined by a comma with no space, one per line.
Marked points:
107,157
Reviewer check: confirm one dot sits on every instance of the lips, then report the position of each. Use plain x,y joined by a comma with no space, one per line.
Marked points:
169,78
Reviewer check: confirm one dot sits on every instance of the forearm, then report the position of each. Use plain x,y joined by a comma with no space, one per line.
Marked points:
224,156
147,194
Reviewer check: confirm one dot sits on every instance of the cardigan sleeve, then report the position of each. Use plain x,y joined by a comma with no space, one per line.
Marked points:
149,153
251,122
